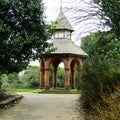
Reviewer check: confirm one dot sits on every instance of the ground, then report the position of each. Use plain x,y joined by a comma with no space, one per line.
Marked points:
44,107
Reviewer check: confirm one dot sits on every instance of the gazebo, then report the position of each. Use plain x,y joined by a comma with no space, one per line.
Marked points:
66,52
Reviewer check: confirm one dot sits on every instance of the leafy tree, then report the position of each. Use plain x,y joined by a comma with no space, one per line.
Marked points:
31,77
101,73
61,77
13,77
110,12
103,45
23,33
92,15
4,84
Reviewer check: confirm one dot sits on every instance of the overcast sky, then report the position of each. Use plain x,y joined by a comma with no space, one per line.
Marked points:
52,8
75,10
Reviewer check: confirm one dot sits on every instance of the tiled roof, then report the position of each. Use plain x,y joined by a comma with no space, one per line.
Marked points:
62,45
63,23
65,46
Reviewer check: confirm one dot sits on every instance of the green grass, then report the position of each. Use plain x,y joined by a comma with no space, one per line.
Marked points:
50,91
20,90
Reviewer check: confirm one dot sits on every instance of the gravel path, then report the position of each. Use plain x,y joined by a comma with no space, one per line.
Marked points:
43,107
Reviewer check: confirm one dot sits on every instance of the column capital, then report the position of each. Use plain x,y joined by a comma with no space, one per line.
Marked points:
67,69
47,69
41,69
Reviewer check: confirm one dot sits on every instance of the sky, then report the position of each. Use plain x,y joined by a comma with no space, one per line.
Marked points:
51,11
52,8
74,10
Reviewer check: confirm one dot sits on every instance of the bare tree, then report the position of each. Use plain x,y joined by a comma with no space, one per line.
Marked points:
85,16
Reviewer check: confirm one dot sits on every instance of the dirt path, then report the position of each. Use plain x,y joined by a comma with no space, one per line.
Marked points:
43,107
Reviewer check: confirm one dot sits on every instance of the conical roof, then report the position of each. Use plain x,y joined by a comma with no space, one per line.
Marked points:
63,23
62,45
66,46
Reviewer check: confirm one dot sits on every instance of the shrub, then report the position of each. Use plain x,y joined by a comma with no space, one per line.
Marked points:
4,84
100,80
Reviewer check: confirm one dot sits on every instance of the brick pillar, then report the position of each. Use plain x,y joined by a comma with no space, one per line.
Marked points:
41,78
67,78
47,78
41,74
47,70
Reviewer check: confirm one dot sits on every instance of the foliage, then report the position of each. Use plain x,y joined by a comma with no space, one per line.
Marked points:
103,45
101,75
31,77
23,33
4,84
13,77
61,76
110,12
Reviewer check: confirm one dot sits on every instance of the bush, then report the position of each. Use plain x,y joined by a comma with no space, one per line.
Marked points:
30,78
100,80
4,84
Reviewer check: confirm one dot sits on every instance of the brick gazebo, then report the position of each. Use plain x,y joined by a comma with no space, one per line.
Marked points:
67,52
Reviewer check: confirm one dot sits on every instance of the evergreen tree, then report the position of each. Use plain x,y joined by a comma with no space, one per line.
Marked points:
23,33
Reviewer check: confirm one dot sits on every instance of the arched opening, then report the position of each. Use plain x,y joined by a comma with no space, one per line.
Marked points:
57,74
60,72
75,74
61,76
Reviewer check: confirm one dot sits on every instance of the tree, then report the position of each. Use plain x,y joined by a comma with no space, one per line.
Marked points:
103,45
110,12
100,78
23,33
31,77
89,16
4,85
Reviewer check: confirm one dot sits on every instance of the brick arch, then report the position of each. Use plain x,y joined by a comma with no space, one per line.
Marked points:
55,63
74,62
69,64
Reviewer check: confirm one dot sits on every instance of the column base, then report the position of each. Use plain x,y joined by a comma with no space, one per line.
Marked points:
47,88
67,88
41,87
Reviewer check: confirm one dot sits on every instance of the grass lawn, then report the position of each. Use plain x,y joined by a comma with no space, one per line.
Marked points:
51,91
20,90
57,91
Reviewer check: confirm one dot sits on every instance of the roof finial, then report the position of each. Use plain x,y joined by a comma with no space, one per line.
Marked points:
61,5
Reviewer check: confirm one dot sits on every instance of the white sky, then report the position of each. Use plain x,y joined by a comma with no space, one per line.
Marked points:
78,8
52,8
